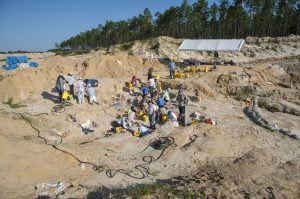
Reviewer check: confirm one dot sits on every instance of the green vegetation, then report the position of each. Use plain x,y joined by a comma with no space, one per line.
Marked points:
244,93
228,19
69,52
126,46
262,103
158,190
155,46
13,105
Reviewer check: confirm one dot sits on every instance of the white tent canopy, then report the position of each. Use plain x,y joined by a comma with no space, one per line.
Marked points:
211,45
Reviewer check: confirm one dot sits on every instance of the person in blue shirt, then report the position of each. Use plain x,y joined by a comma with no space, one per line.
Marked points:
172,69
144,92
160,102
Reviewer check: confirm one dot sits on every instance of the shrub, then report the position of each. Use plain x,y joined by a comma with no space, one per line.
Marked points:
126,46
244,93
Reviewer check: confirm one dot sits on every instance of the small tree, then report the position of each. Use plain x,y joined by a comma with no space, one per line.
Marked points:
57,46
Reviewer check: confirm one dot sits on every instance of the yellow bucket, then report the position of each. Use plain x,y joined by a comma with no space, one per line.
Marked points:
164,118
145,118
206,69
179,75
187,75
118,130
136,133
157,76
140,113
65,95
130,85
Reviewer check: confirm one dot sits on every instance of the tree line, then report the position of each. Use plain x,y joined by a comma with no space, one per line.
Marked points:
225,20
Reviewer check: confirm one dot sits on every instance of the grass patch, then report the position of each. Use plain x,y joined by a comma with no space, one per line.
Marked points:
126,46
244,93
10,102
130,52
69,52
158,190
268,94
262,103
1,78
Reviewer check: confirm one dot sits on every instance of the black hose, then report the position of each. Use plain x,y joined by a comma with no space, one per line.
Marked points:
160,143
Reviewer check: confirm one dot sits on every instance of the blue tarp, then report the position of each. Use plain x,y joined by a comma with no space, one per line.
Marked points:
10,67
16,60
33,64
12,61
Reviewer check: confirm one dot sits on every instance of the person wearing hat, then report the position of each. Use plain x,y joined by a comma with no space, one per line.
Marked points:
172,69
70,80
80,85
60,86
91,94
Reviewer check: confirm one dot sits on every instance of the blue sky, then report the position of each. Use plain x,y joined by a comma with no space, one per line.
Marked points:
35,25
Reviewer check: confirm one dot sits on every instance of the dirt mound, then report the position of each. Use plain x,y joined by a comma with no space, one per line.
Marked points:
234,158
254,49
21,84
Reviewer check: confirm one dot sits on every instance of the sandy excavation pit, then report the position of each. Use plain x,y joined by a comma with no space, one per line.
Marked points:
235,158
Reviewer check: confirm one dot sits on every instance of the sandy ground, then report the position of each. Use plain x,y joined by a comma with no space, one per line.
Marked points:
248,157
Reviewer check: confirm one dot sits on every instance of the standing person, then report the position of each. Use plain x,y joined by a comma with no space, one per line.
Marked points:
158,86
152,87
60,86
151,114
149,74
80,90
70,80
144,92
91,94
182,102
172,69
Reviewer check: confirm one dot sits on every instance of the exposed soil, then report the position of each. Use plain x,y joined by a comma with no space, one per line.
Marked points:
234,159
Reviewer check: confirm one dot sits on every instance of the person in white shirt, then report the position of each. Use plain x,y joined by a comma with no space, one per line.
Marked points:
172,116
152,87
80,85
70,80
